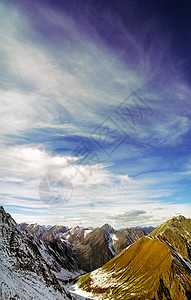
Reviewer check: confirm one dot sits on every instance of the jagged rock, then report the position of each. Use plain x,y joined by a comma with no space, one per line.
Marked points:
28,269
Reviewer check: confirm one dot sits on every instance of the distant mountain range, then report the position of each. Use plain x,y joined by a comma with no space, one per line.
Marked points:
91,248
39,262
147,230
155,267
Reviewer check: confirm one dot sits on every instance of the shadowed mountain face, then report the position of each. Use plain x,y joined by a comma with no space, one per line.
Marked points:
95,248
155,267
29,268
92,248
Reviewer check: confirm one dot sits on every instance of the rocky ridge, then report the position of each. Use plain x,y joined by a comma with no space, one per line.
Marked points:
28,267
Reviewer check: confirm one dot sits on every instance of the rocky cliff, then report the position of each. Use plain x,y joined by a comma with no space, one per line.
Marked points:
29,269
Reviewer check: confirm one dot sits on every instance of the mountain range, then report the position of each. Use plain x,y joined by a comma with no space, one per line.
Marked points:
37,262
91,247
58,262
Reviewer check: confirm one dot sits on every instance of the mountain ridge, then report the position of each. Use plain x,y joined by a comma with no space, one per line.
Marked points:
28,266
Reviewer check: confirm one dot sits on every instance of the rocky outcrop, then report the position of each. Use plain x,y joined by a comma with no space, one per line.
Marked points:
28,267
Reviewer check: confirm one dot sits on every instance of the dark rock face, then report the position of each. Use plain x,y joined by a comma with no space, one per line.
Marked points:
101,244
163,291
28,266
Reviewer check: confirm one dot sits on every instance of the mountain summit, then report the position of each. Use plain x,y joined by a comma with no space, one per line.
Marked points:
177,233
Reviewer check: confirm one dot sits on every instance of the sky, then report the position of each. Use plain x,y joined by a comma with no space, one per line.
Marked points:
95,118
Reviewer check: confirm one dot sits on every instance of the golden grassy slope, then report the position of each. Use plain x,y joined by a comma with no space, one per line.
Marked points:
134,272
149,269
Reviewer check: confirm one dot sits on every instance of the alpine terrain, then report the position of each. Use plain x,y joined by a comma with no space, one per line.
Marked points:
29,268
92,248
155,267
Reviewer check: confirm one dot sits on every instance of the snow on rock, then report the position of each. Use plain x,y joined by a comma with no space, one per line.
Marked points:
86,231
108,236
80,294
114,237
26,269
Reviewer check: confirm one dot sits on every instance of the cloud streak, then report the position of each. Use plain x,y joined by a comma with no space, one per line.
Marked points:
63,75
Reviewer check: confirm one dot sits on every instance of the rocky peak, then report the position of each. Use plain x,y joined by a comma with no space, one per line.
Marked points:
6,219
28,265
107,228
180,217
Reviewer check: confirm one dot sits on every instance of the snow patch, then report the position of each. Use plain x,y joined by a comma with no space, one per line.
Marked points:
86,231
188,264
110,244
114,237
76,291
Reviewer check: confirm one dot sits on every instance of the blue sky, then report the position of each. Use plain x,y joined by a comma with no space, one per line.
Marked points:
95,111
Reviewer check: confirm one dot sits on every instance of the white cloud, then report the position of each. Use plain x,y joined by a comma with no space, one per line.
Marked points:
97,217
72,86
23,168
90,83
98,193
172,130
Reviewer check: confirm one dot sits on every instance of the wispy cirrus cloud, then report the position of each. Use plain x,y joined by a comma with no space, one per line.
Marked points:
63,74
